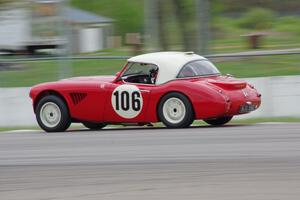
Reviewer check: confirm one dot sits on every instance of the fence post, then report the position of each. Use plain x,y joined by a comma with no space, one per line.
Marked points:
203,11
65,65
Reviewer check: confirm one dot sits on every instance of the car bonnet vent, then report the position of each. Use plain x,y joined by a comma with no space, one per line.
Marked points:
77,97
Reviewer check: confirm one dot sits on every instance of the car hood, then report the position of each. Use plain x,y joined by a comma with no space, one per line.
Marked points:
91,78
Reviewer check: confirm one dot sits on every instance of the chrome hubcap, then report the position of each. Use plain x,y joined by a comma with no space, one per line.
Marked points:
50,114
174,110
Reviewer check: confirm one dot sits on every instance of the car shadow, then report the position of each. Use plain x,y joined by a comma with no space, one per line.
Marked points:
145,128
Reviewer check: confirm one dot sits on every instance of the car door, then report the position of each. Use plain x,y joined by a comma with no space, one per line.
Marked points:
127,102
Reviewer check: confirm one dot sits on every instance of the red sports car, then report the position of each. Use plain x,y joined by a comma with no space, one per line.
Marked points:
175,88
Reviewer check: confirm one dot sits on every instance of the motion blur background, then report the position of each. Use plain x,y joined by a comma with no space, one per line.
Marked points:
48,40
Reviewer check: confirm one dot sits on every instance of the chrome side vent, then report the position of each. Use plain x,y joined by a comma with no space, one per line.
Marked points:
77,97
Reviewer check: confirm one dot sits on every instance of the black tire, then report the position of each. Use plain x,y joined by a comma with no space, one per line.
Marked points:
65,120
94,126
188,117
218,121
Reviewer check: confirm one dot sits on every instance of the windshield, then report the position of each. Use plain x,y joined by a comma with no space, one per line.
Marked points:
139,69
198,68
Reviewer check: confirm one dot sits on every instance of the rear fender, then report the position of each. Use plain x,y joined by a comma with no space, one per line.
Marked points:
206,101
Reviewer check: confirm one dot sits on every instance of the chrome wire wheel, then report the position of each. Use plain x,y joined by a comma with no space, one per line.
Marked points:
50,114
174,110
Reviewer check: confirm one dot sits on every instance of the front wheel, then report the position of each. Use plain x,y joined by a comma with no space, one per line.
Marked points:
94,126
52,114
175,111
218,121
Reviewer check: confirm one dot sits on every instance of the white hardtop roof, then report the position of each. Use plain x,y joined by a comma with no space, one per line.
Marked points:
169,63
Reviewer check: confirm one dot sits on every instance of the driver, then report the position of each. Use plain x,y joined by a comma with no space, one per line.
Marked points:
153,75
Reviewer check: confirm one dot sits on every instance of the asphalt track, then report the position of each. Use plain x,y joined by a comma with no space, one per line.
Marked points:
247,162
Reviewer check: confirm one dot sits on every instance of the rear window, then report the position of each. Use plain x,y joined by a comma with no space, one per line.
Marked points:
198,68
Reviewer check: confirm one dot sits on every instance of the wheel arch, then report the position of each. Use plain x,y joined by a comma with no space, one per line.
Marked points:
47,93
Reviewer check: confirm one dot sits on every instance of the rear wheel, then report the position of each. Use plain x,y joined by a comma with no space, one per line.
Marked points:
218,121
52,114
94,126
175,111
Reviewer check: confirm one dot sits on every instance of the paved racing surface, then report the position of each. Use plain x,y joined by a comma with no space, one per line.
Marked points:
251,162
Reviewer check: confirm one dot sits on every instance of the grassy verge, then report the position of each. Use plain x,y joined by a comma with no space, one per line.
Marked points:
31,73
37,72
4,129
197,123
238,43
257,120
261,66
263,120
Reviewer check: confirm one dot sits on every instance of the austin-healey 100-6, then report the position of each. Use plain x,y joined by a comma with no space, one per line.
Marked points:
174,88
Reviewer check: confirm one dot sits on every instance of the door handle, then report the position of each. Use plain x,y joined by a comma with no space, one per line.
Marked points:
147,91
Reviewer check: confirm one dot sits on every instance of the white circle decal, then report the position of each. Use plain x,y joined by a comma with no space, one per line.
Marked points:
127,101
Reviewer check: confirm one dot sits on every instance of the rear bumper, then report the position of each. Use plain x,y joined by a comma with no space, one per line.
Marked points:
238,107
248,107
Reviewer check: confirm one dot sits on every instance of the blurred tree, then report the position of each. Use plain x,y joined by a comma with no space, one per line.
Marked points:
4,1
162,32
203,16
180,12
257,18
217,7
239,6
9,4
128,14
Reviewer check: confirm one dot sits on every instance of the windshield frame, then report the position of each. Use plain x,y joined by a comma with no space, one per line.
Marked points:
206,75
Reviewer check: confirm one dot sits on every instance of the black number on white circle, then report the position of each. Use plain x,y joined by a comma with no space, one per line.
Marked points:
127,102
136,102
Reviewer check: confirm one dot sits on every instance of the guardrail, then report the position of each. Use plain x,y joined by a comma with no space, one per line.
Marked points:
256,53
66,58
224,55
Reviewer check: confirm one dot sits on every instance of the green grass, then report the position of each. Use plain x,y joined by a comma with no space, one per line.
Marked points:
261,66
263,120
238,43
4,129
227,35
196,123
256,120
37,72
